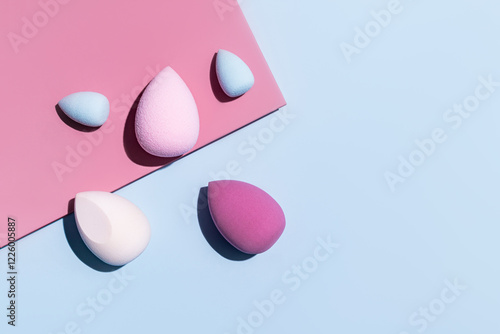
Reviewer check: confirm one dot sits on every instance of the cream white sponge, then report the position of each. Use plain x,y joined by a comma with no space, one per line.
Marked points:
167,122
112,227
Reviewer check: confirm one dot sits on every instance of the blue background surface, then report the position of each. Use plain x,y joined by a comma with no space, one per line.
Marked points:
398,251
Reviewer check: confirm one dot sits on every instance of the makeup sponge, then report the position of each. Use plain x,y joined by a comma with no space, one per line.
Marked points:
112,227
234,76
167,122
87,108
249,218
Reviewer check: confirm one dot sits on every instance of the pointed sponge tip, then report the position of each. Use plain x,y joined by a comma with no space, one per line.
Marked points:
234,76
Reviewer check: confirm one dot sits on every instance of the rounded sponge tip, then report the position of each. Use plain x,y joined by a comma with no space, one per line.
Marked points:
87,108
112,227
167,122
249,218
235,77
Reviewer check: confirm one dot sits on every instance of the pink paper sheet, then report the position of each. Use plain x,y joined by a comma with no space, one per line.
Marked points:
51,49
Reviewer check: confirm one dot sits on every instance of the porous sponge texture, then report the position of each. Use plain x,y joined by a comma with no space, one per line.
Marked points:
167,122
249,218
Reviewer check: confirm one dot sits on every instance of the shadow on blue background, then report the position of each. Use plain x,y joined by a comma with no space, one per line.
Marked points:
78,246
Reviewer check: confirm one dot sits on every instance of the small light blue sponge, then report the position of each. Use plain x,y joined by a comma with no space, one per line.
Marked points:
234,76
87,108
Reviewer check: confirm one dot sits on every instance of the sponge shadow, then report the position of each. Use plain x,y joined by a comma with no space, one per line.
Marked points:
132,147
71,123
212,234
214,83
78,246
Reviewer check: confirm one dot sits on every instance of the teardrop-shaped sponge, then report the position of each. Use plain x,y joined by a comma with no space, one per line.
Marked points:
167,122
235,77
249,218
112,227
87,108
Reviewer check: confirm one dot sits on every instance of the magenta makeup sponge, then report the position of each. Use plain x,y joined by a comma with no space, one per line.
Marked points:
249,218
167,122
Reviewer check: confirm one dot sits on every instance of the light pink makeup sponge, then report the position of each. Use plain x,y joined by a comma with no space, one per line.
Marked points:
167,122
249,218
112,227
